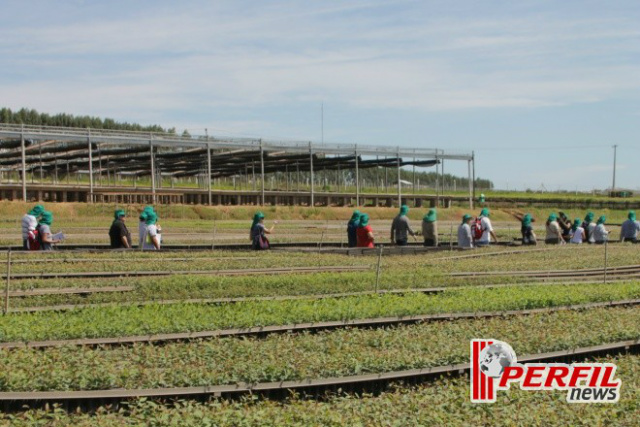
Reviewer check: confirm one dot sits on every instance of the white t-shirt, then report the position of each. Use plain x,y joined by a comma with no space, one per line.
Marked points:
29,223
152,231
591,229
485,223
600,234
142,233
576,237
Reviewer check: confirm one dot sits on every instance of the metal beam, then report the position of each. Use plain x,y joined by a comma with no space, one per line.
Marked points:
90,166
470,184
262,172
399,179
311,170
357,178
209,174
153,170
24,169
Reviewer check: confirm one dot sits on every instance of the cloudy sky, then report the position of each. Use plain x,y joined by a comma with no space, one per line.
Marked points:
540,90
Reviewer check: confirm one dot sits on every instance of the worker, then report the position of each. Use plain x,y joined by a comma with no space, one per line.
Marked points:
565,224
352,229
400,228
554,232
365,233
258,232
589,226
600,233
483,230
153,238
528,236
630,229
29,224
465,240
44,232
142,225
578,235
118,233
430,228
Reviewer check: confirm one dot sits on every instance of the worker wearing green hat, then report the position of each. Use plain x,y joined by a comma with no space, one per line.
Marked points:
589,226
44,231
29,224
526,229
430,228
465,239
258,232
600,233
630,229
352,229
153,237
485,229
118,233
578,234
365,233
554,232
142,225
400,228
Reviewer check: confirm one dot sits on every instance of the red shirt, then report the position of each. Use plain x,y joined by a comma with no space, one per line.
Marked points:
363,239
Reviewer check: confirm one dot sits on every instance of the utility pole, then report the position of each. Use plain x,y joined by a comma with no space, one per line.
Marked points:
613,186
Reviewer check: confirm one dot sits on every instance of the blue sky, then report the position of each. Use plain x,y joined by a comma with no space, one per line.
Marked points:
540,90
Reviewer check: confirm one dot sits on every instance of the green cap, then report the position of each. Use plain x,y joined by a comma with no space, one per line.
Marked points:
152,218
431,216
589,217
602,219
355,216
404,209
466,217
485,212
364,220
118,213
46,218
576,224
552,217
257,217
632,215
526,220
37,210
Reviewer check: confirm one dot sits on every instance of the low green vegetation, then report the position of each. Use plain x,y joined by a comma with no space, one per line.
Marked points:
116,321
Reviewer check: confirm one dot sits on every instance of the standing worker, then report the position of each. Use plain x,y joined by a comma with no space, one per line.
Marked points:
142,225
430,228
630,229
153,238
578,234
365,233
352,229
589,226
483,230
465,240
118,233
400,228
29,224
554,232
600,233
528,236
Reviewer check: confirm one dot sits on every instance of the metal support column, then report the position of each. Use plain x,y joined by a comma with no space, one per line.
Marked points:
209,172
313,202
473,176
262,173
24,166
357,178
470,184
91,197
399,179
153,170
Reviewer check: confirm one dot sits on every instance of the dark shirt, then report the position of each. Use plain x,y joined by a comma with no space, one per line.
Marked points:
352,229
117,231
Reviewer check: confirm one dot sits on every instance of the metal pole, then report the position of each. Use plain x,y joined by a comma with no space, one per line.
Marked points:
311,163
470,184
91,197
606,259
209,172
399,183
613,186
262,173
378,269
153,171
24,166
473,176
357,178
8,285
